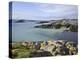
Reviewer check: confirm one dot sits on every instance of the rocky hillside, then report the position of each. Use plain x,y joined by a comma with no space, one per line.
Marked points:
42,48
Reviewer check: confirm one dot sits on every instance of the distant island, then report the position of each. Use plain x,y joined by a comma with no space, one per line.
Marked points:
23,20
71,25
20,21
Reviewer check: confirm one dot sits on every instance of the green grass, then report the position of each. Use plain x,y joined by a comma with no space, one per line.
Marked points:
21,51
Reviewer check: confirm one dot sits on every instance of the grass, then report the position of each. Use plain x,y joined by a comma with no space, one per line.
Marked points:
19,51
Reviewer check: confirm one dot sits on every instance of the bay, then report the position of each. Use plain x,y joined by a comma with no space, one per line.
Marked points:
26,32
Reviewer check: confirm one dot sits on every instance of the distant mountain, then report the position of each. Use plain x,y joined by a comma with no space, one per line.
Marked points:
41,21
22,20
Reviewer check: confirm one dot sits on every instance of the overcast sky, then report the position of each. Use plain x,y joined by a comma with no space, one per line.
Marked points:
41,11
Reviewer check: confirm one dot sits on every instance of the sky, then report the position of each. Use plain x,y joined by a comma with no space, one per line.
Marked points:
43,11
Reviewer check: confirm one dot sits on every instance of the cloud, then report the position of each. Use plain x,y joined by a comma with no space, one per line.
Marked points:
43,11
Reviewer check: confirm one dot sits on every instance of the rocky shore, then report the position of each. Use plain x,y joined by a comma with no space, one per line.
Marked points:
43,48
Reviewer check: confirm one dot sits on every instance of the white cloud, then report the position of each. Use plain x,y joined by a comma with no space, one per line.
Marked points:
45,11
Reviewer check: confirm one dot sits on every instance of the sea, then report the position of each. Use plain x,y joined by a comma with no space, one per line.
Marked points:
25,31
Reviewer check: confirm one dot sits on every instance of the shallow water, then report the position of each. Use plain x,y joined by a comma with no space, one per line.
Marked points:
26,32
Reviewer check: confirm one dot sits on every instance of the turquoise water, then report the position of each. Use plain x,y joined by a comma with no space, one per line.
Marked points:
26,32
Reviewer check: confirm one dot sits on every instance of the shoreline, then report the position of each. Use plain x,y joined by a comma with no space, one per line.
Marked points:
43,41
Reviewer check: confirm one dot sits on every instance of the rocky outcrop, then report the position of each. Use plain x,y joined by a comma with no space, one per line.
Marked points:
60,47
43,48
